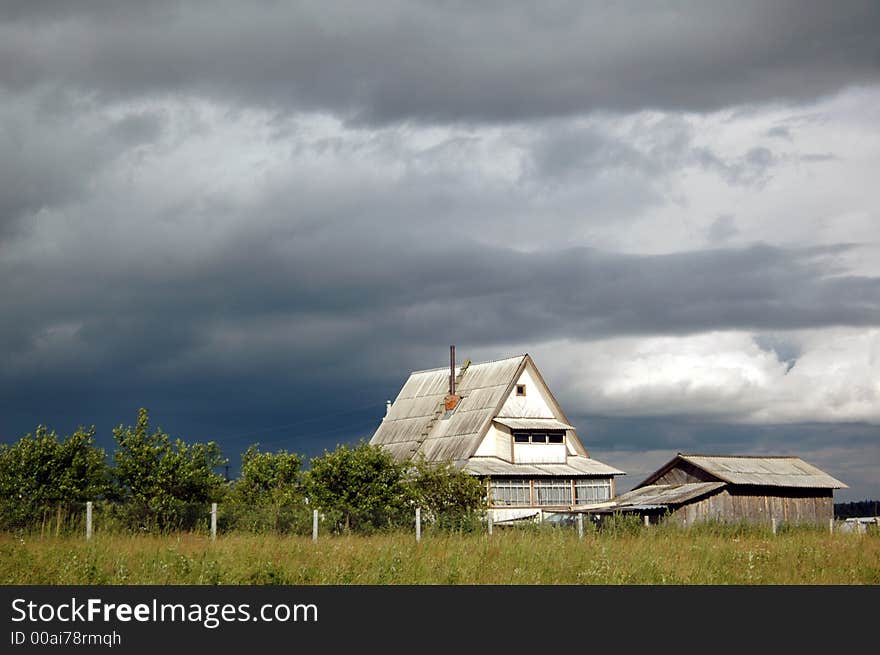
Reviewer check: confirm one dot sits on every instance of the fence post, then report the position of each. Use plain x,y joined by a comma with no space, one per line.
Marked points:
580,526
647,521
315,526
490,521
418,524
830,526
773,524
88,520
213,521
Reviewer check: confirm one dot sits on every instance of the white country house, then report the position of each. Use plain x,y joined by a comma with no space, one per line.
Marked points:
499,421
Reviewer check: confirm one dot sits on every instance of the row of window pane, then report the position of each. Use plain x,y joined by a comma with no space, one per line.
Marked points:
516,492
510,492
592,491
538,437
553,492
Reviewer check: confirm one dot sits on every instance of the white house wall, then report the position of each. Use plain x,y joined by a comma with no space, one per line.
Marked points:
496,443
539,453
535,404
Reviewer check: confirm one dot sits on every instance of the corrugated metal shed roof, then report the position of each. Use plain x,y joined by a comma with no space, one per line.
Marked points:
661,495
574,466
533,423
764,471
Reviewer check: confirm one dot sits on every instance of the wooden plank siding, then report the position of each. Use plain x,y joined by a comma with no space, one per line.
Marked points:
683,473
759,505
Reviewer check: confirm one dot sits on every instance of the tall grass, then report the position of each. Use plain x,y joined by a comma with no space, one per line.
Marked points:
657,555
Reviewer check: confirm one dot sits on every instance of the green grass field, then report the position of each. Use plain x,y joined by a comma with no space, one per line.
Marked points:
541,556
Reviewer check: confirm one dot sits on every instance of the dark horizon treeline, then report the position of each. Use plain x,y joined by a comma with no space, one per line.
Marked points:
856,509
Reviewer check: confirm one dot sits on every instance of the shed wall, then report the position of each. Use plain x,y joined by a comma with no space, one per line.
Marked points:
760,505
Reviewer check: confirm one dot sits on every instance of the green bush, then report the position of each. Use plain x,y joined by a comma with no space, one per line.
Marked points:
360,489
451,500
42,475
158,481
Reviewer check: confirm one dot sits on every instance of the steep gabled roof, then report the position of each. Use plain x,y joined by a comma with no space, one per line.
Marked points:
417,423
763,471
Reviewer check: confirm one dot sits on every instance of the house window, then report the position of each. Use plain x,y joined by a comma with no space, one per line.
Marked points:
592,491
553,492
510,492
539,437
520,390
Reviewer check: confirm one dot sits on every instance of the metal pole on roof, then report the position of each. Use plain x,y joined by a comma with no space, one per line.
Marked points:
451,370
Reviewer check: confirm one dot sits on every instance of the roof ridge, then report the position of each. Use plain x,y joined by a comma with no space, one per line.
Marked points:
472,364
740,456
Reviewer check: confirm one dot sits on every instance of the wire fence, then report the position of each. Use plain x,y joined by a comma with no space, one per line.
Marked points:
213,519
168,517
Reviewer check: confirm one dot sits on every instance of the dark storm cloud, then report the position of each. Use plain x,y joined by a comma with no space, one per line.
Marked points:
312,301
51,150
686,434
779,132
265,331
447,61
722,228
640,446
582,152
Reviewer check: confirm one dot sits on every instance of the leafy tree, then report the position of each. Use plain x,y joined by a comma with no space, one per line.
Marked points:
158,478
268,496
40,470
361,488
449,497
269,478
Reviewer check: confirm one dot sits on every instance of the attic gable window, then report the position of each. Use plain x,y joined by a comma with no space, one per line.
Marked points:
520,390
539,437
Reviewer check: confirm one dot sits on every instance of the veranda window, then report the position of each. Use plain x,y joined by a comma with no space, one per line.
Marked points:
553,492
510,492
592,491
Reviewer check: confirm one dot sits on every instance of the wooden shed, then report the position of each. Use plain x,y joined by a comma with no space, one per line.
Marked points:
733,489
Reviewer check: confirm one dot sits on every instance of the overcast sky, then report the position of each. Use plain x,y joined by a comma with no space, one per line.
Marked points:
256,218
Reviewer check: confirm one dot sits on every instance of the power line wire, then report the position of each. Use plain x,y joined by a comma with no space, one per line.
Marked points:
300,422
